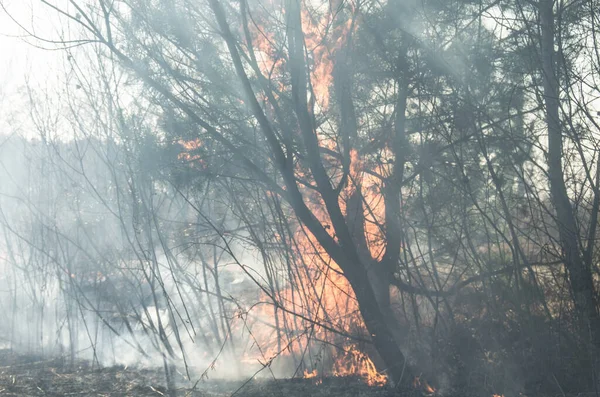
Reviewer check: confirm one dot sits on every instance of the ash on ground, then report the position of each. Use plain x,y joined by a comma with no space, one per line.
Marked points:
32,375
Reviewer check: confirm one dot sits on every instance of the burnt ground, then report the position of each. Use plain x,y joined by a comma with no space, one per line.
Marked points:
26,375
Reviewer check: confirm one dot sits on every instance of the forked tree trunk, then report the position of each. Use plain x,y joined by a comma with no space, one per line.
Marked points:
372,284
375,295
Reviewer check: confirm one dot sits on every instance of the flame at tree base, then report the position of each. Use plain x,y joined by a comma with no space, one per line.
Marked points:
356,363
352,363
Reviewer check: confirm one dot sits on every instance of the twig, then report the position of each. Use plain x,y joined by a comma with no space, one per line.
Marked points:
157,391
558,384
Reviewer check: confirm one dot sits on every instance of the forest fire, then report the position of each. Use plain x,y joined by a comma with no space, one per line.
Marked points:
323,312
311,374
324,34
422,384
309,191
189,152
324,38
314,374
327,300
352,363
356,363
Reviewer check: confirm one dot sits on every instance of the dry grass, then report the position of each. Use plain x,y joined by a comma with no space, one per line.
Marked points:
22,375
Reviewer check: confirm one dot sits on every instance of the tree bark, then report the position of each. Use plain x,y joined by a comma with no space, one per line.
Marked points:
378,326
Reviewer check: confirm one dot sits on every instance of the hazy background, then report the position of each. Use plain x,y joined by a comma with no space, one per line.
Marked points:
161,203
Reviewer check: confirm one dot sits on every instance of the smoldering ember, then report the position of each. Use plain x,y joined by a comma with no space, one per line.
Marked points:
300,198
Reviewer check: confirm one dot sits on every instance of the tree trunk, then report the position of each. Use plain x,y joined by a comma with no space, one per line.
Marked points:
580,274
377,275
378,326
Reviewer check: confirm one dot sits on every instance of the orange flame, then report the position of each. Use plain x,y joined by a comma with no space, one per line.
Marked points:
189,147
354,362
323,40
326,295
324,36
311,374
419,383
